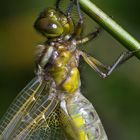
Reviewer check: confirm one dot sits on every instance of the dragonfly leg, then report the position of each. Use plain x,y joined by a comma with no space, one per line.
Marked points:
89,36
95,64
126,55
104,70
79,26
69,9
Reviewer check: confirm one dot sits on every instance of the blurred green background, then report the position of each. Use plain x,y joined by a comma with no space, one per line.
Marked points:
116,99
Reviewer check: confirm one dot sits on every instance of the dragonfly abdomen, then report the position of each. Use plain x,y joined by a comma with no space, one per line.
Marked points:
85,118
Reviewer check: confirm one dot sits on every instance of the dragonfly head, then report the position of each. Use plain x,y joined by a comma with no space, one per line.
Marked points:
52,23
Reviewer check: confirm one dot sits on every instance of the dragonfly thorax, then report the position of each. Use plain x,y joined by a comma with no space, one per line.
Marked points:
60,63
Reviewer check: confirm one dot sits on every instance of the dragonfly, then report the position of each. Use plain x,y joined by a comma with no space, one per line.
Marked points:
51,106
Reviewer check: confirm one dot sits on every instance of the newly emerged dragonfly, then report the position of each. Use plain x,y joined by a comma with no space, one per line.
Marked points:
51,106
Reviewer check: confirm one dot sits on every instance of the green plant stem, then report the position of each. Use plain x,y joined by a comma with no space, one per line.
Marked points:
110,25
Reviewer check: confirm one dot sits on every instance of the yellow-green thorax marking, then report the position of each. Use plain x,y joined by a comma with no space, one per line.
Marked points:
62,66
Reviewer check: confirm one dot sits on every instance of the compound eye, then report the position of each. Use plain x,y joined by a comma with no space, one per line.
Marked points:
49,27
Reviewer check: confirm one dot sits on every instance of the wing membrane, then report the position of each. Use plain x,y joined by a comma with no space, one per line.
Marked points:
33,115
51,128
33,120
52,124
19,107
36,114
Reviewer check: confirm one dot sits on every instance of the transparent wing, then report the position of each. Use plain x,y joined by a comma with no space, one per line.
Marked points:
34,122
34,115
50,126
20,107
57,125
48,122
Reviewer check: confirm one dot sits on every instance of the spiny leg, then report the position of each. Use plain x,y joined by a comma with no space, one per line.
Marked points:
95,64
89,37
68,12
121,59
69,9
79,11
104,70
79,26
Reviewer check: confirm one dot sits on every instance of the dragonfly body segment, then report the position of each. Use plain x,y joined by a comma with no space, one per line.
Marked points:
85,118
